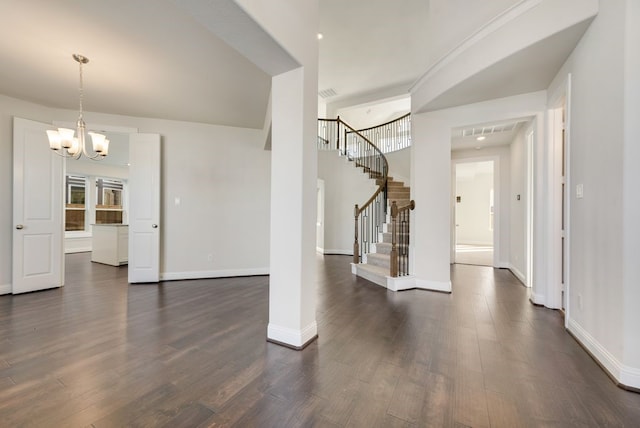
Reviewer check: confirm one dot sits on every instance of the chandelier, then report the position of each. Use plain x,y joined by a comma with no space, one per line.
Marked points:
63,142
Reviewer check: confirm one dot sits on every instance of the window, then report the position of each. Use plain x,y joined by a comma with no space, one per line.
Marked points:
108,201
75,205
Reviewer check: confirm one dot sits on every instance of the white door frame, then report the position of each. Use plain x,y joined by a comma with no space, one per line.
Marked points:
559,118
320,217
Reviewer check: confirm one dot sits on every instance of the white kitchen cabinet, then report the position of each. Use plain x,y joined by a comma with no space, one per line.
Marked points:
110,244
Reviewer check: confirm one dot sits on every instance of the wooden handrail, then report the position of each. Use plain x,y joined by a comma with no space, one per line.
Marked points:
384,124
382,184
390,136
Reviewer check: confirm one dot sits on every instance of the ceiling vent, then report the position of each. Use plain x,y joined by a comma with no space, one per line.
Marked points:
326,93
490,129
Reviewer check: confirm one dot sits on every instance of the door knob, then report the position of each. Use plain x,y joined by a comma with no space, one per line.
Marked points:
19,227
155,226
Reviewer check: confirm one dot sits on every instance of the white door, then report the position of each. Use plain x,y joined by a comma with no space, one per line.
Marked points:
144,208
37,209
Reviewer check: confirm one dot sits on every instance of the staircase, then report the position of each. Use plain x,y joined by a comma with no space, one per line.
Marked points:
381,242
375,265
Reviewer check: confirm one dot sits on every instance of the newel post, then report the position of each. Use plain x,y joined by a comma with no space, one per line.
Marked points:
394,237
356,246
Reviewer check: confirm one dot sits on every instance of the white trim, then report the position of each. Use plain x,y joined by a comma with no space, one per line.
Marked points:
401,283
536,299
5,289
380,280
290,336
319,250
338,252
494,24
516,272
203,274
567,195
77,242
424,284
77,250
479,243
626,375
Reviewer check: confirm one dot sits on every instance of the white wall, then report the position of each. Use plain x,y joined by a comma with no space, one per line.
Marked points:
400,165
431,178
603,115
344,186
632,196
473,212
221,175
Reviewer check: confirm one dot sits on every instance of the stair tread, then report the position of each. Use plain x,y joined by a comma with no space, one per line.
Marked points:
377,255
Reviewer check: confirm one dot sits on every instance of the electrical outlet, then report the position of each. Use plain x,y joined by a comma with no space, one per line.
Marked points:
210,257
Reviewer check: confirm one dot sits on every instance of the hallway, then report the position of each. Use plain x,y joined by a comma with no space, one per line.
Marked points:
193,353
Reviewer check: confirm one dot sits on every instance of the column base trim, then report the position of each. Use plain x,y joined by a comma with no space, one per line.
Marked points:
292,338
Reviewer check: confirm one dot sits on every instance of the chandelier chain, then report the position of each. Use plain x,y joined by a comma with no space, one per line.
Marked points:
81,88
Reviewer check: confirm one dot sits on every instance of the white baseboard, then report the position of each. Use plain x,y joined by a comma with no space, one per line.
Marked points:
338,252
479,243
444,286
77,250
5,289
292,337
77,242
516,272
201,274
537,299
626,375
401,283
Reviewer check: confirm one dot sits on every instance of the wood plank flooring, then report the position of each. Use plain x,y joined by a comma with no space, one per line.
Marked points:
101,353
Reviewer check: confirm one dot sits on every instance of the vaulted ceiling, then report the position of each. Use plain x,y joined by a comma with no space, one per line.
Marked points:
150,58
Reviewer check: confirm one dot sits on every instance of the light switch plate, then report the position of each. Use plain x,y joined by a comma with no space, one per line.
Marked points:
579,191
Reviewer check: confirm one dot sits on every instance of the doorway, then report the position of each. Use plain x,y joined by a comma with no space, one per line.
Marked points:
38,238
474,213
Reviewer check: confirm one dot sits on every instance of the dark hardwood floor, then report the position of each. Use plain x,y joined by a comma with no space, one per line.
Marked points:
194,353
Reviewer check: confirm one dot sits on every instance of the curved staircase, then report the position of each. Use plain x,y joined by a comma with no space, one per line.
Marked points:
381,243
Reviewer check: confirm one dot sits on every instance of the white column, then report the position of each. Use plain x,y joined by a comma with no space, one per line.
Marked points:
292,286
431,189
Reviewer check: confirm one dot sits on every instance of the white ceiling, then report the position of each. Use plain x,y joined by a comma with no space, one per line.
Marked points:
148,58
370,45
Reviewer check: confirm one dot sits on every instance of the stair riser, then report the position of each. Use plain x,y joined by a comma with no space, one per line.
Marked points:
382,248
383,262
